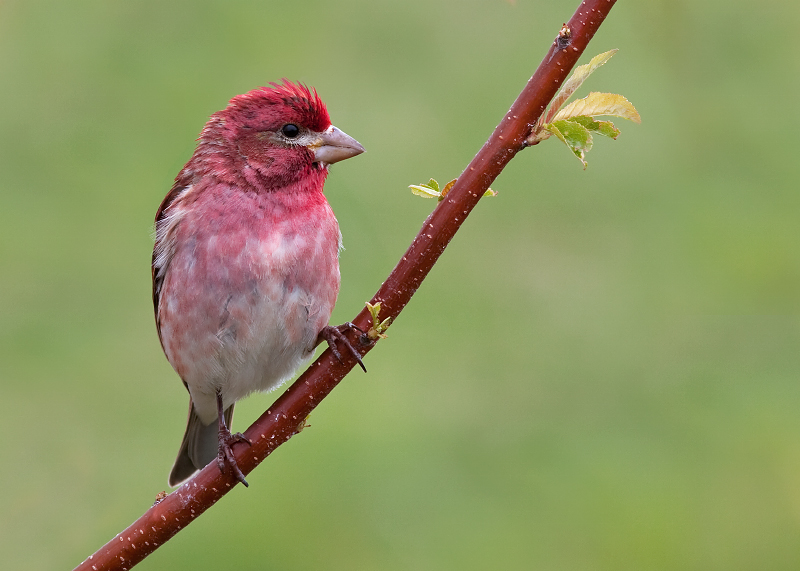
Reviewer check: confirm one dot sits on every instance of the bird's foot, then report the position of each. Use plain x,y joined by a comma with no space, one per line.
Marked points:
333,334
225,455
226,440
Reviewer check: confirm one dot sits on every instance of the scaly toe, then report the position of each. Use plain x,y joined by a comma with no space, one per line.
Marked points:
334,334
225,455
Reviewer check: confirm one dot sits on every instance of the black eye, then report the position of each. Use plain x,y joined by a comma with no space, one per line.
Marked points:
290,130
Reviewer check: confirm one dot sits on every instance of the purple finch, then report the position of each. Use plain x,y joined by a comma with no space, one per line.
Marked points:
245,264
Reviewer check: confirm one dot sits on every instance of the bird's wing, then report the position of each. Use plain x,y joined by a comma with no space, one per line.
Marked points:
167,219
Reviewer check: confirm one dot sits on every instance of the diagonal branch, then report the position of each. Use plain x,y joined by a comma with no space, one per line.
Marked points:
287,415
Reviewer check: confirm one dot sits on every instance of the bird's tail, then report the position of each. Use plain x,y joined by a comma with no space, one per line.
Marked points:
200,446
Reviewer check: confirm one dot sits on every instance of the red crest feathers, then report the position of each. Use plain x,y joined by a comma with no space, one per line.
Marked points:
271,107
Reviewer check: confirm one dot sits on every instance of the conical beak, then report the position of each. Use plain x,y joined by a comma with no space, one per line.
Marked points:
334,145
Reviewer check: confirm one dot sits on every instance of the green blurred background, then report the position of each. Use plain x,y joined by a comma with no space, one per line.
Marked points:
600,374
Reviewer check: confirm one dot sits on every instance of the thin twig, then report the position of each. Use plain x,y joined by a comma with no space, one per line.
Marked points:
287,415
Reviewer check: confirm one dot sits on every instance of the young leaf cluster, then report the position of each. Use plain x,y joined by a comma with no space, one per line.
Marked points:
574,124
431,189
376,331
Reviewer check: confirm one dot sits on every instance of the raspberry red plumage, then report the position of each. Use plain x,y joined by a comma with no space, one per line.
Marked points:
245,265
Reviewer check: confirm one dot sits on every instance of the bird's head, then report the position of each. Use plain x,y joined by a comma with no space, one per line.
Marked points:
275,135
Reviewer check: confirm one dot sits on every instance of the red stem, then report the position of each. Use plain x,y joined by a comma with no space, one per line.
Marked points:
287,415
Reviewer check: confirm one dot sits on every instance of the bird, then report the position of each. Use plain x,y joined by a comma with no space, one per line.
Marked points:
245,264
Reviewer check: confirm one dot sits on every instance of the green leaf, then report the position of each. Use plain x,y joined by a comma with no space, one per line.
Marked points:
574,135
577,136
553,130
600,104
606,128
433,184
424,191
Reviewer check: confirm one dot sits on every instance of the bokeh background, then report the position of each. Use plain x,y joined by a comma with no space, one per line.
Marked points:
602,372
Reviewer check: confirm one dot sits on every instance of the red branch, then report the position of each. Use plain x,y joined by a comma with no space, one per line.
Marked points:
287,415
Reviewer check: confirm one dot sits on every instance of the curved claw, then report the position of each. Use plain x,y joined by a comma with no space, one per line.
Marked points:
333,334
225,456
